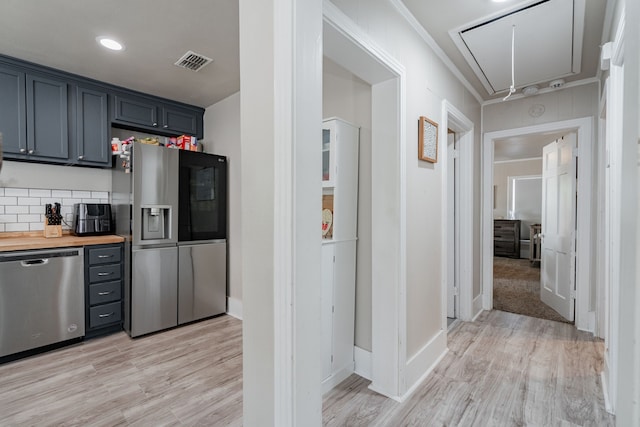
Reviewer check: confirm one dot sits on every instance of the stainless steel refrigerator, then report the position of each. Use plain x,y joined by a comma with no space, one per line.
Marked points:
164,282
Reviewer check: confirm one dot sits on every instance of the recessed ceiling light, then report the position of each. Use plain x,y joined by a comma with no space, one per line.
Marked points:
109,43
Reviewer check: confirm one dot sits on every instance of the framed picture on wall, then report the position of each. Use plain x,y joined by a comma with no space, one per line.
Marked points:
427,140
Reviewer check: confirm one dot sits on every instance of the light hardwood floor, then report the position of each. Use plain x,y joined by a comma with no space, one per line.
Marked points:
503,370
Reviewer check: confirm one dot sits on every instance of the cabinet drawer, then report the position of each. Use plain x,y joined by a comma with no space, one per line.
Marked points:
104,255
105,314
101,273
105,292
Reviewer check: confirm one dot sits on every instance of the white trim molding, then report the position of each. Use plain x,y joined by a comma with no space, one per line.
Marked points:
362,359
346,44
234,307
454,119
420,365
584,128
424,34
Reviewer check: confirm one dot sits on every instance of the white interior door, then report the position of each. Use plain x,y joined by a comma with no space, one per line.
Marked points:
557,276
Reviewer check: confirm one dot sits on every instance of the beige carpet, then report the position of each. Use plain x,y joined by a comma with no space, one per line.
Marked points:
516,289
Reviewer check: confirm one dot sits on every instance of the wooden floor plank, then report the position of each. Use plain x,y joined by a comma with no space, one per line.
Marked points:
502,370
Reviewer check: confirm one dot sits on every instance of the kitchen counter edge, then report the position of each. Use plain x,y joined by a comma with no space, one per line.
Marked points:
17,241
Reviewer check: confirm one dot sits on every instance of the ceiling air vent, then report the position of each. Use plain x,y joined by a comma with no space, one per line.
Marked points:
193,61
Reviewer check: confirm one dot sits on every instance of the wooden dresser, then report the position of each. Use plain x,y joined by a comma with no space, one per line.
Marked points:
506,238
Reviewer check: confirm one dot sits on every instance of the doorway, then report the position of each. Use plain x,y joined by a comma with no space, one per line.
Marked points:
346,46
518,215
585,318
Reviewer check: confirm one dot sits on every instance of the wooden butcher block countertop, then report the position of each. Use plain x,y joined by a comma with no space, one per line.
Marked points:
17,241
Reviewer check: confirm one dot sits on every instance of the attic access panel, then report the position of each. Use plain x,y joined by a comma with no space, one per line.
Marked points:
548,44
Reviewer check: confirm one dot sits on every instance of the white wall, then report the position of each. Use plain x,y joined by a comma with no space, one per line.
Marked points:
428,83
222,137
349,98
564,104
54,177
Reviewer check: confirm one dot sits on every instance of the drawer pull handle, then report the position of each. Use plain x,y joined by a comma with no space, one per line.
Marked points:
106,315
108,273
105,256
105,293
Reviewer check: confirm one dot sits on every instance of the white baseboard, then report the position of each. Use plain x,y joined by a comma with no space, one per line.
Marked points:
477,315
424,361
362,362
337,377
234,307
477,307
605,392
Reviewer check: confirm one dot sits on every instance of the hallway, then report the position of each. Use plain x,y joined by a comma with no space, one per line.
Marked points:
505,370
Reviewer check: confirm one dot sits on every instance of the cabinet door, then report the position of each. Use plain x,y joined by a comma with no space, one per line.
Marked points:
326,315
92,127
179,120
137,111
13,112
344,301
47,118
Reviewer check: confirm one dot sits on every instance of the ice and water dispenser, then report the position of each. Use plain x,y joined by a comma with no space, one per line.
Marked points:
156,223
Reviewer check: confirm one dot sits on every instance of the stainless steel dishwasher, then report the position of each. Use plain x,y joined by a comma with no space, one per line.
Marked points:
41,298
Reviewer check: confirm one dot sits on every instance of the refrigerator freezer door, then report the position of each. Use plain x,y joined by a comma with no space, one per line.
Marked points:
202,284
154,290
155,194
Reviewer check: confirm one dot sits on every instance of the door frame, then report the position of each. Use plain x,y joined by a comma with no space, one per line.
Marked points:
347,45
454,119
584,318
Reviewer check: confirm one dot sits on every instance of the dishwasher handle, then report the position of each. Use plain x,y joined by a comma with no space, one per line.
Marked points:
34,262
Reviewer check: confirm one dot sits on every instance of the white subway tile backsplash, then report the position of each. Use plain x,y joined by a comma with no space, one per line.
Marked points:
18,192
17,209
8,218
60,193
70,202
35,192
36,226
29,218
6,201
16,226
28,201
99,195
22,209
81,194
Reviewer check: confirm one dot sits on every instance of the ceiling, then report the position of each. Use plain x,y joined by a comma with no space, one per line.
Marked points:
156,33
544,39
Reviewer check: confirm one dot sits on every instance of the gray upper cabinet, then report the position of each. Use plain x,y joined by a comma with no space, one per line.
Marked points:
47,118
139,112
135,111
33,116
92,128
13,111
51,116
180,120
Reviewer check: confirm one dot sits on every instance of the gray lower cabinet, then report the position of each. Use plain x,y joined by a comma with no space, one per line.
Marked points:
92,127
104,271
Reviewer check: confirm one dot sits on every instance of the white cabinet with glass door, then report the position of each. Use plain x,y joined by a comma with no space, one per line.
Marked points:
339,235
